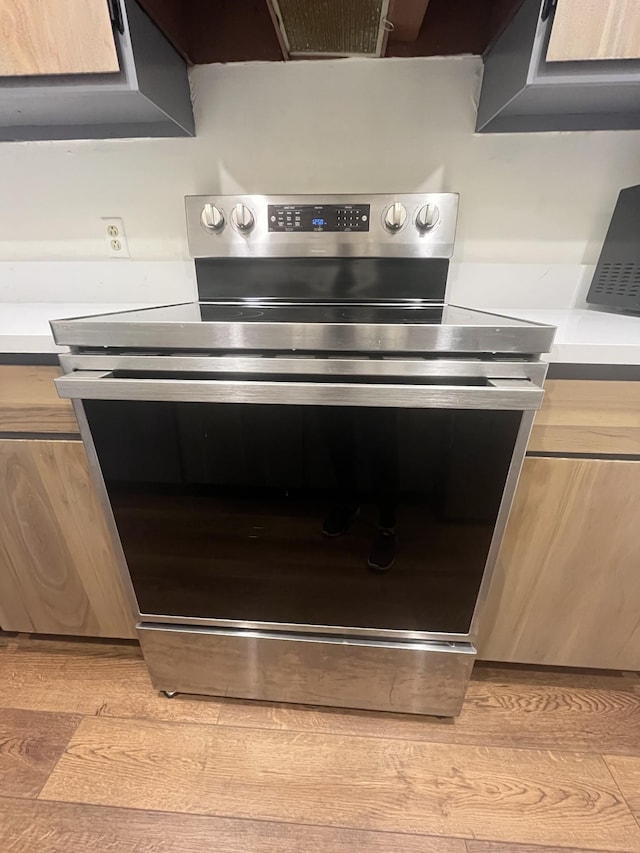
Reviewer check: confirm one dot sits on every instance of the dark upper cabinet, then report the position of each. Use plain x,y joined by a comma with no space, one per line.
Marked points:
86,76
524,90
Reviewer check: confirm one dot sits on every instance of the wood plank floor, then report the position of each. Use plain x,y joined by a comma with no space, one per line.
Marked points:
92,759
30,745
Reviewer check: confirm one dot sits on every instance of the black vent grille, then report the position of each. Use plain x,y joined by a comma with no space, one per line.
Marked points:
618,280
616,284
332,27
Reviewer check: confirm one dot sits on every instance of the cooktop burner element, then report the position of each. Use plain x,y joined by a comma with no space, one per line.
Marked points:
227,312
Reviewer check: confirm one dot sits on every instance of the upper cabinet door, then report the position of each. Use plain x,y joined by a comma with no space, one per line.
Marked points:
576,70
40,37
595,29
65,73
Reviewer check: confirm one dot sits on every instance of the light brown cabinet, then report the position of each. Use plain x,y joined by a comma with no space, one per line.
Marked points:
58,570
567,585
42,37
566,589
58,573
595,29
29,402
590,417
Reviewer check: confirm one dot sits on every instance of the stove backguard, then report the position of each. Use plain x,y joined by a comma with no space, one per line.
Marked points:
322,279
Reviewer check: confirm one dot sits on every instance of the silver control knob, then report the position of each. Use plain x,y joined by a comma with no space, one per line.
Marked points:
395,216
427,218
242,218
212,218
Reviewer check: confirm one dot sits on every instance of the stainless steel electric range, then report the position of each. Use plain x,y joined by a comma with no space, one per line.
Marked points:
308,472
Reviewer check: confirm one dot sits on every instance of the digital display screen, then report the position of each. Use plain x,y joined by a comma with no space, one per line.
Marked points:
319,217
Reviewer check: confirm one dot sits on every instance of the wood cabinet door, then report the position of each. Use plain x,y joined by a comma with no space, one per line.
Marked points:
29,401
595,29
566,590
58,573
56,37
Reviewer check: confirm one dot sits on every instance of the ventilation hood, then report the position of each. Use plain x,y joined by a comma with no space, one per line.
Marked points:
206,31
331,28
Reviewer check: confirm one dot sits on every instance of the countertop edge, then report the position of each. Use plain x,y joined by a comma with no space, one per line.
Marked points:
584,336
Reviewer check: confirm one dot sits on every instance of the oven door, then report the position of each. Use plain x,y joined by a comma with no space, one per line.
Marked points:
258,499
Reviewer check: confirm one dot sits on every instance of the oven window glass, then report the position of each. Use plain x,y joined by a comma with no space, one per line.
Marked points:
282,514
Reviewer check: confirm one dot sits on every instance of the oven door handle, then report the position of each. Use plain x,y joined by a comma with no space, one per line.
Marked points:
514,394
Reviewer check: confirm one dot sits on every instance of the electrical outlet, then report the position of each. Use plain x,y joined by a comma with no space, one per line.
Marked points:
115,236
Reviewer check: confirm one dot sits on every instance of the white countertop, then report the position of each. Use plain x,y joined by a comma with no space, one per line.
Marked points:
587,335
584,336
24,326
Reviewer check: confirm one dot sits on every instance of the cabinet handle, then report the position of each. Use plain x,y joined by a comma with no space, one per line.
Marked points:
548,7
116,15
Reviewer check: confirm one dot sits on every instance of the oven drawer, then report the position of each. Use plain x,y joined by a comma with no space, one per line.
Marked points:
414,678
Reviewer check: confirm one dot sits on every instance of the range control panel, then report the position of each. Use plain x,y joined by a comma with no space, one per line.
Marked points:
319,217
403,225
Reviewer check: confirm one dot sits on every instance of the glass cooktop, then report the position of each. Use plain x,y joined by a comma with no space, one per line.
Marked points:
339,314
212,313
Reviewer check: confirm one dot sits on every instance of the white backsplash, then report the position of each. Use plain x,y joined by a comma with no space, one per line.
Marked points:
491,286
476,285
162,282
354,125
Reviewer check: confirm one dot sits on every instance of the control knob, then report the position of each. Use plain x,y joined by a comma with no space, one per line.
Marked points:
427,217
242,218
212,218
395,216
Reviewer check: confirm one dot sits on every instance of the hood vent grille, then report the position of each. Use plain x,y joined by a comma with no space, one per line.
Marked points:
331,27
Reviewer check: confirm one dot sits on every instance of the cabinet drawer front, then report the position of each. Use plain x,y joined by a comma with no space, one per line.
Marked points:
579,416
29,401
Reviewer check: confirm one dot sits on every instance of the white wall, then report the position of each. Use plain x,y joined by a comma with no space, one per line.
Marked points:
350,126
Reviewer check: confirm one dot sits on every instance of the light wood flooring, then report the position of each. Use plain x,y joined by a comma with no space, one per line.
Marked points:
92,759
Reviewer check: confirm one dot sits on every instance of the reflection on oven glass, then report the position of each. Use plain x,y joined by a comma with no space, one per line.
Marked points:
354,437
280,513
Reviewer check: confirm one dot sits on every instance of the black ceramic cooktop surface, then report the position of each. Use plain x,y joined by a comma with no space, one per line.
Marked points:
215,313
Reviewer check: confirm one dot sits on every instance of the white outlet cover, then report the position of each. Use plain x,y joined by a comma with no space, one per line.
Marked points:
109,223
